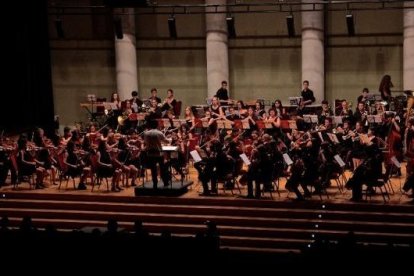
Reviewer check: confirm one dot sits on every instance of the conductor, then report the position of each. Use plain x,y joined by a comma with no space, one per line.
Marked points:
153,138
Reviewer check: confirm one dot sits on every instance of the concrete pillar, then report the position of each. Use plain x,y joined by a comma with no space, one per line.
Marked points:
408,48
217,49
126,55
313,67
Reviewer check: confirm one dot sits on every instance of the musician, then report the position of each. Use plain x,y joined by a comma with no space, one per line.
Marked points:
325,112
385,88
105,166
364,96
169,102
409,145
251,118
154,111
136,102
153,139
27,164
278,107
75,166
189,118
215,108
259,110
154,95
344,110
222,93
233,114
307,94
124,163
241,108
357,153
116,99
369,171
43,155
361,113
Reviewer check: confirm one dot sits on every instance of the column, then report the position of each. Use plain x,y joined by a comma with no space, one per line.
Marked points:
216,48
126,55
313,67
408,48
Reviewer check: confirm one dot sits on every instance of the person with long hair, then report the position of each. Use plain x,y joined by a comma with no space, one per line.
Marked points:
385,88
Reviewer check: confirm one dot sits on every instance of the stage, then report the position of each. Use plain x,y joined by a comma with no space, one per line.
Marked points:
177,188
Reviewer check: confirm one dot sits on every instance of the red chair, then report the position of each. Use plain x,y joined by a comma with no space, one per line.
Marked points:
177,109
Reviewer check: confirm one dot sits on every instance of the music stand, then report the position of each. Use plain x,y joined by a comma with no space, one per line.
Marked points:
287,159
295,100
92,99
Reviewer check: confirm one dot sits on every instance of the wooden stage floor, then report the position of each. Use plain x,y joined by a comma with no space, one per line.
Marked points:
194,191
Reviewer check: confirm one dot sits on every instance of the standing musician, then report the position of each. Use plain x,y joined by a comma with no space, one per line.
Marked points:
364,96
307,94
153,139
222,93
385,88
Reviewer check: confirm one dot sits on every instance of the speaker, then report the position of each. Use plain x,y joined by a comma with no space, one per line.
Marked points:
59,28
118,28
290,23
171,27
231,30
350,24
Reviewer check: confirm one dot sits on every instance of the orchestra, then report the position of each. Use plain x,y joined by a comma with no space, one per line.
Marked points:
221,134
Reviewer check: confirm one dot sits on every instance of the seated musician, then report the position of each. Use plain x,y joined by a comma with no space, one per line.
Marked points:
136,102
154,96
344,110
189,118
116,99
154,111
241,109
325,112
275,120
105,166
259,111
169,102
278,107
369,171
123,161
357,152
215,109
251,118
43,155
27,164
75,166
364,96
361,113
233,114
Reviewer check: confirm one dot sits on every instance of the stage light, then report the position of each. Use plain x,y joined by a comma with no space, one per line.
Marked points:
118,28
171,27
59,28
231,30
350,24
290,22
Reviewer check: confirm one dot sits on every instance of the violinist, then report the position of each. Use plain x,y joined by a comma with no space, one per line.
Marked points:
357,153
27,164
75,166
105,167
43,155
123,162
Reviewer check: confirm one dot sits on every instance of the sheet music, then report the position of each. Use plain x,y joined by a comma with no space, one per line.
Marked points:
339,160
246,160
396,162
169,148
287,159
194,154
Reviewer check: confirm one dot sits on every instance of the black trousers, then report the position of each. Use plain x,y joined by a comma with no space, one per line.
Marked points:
152,164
